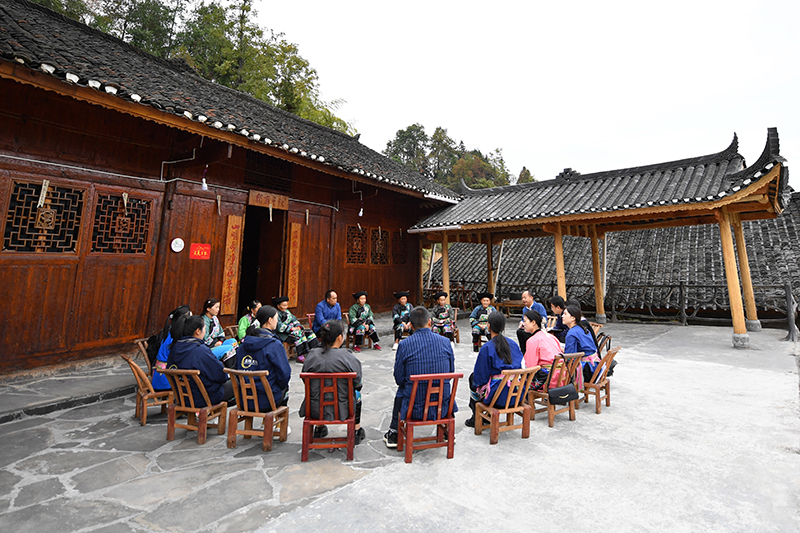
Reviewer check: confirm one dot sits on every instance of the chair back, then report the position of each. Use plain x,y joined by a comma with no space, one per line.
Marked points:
143,344
596,327
603,366
551,321
563,370
434,385
518,382
142,380
231,331
245,390
329,392
180,381
310,318
454,314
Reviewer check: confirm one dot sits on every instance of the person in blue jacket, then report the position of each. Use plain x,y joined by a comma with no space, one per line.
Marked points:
189,352
495,356
327,309
580,339
263,350
160,380
530,305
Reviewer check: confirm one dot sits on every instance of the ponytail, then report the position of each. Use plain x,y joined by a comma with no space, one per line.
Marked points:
497,323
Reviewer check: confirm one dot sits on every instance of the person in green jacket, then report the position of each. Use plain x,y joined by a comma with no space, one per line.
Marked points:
249,319
361,322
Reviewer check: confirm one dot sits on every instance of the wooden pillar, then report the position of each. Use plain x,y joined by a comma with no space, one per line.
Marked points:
740,337
421,265
445,267
598,278
489,277
560,275
752,322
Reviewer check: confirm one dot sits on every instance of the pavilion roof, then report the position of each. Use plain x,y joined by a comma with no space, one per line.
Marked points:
659,190
170,92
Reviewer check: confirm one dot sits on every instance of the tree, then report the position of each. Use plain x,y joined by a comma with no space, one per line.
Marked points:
205,45
442,156
525,176
74,9
476,172
410,148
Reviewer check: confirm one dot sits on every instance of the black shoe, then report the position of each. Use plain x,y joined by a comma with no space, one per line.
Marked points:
320,432
470,422
360,435
390,438
476,347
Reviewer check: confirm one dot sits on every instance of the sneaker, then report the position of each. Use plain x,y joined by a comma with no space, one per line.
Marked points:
394,346
361,435
470,422
357,349
320,432
276,433
476,347
390,438
452,345
301,359
376,346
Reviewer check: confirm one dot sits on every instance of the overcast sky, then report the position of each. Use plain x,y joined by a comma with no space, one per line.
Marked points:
583,84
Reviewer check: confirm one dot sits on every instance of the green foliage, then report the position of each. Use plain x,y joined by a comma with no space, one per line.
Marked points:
223,44
410,147
525,176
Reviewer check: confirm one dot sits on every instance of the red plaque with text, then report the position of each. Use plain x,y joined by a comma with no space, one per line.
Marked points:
200,251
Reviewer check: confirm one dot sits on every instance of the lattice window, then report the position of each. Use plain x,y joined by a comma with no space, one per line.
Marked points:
356,245
380,247
269,172
120,228
398,248
52,228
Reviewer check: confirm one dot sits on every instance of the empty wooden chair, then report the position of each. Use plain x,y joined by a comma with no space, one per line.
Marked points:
328,396
434,385
516,383
196,417
600,382
142,344
146,396
247,409
562,372
231,331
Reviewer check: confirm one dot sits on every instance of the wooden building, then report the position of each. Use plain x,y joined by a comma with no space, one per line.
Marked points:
129,185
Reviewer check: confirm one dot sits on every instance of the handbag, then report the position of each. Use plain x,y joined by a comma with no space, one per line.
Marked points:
562,395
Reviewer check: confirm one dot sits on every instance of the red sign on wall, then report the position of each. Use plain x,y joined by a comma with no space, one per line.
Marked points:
200,251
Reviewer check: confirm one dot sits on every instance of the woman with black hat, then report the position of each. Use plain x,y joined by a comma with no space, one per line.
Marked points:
290,330
479,319
401,314
361,321
442,317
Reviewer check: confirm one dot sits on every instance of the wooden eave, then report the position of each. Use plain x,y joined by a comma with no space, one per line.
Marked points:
26,75
756,201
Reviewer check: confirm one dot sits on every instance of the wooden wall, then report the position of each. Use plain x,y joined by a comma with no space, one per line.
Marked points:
71,304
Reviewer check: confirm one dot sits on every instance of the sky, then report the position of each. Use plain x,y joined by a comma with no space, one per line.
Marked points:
588,85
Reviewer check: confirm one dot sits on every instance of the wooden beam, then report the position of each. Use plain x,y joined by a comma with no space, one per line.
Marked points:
560,274
744,268
489,277
445,267
731,275
598,278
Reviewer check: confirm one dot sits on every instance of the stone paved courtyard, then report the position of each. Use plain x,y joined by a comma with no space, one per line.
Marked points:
699,437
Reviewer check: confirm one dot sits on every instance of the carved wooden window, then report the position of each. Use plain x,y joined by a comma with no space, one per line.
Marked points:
52,228
398,248
380,247
356,245
120,227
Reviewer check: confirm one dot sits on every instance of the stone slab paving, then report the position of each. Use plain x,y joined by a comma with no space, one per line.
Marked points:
699,436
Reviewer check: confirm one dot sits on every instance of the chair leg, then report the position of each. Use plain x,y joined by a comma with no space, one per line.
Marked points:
137,413
551,414
351,439
143,412
269,421
494,428
608,394
451,438
401,435
478,421
572,410
233,424
223,418
526,421
307,431
283,426
410,443
171,422
202,426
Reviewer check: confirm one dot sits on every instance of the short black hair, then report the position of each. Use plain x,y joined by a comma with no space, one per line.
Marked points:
328,293
419,317
558,301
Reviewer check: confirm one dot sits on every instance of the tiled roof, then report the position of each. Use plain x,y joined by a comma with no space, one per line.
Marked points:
74,53
661,256
688,181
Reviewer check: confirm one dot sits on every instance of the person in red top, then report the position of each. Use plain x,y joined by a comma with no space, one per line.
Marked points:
541,347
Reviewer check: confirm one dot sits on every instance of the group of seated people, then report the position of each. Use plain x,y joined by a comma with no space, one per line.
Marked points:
197,342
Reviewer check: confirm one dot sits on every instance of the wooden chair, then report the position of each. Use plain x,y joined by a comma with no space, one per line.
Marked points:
246,393
596,327
600,382
564,367
310,318
516,383
142,344
197,417
232,331
328,396
445,426
603,343
551,321
146,396
351,339
454,316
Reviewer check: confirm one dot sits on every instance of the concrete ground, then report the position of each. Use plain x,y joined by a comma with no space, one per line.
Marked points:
699,437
